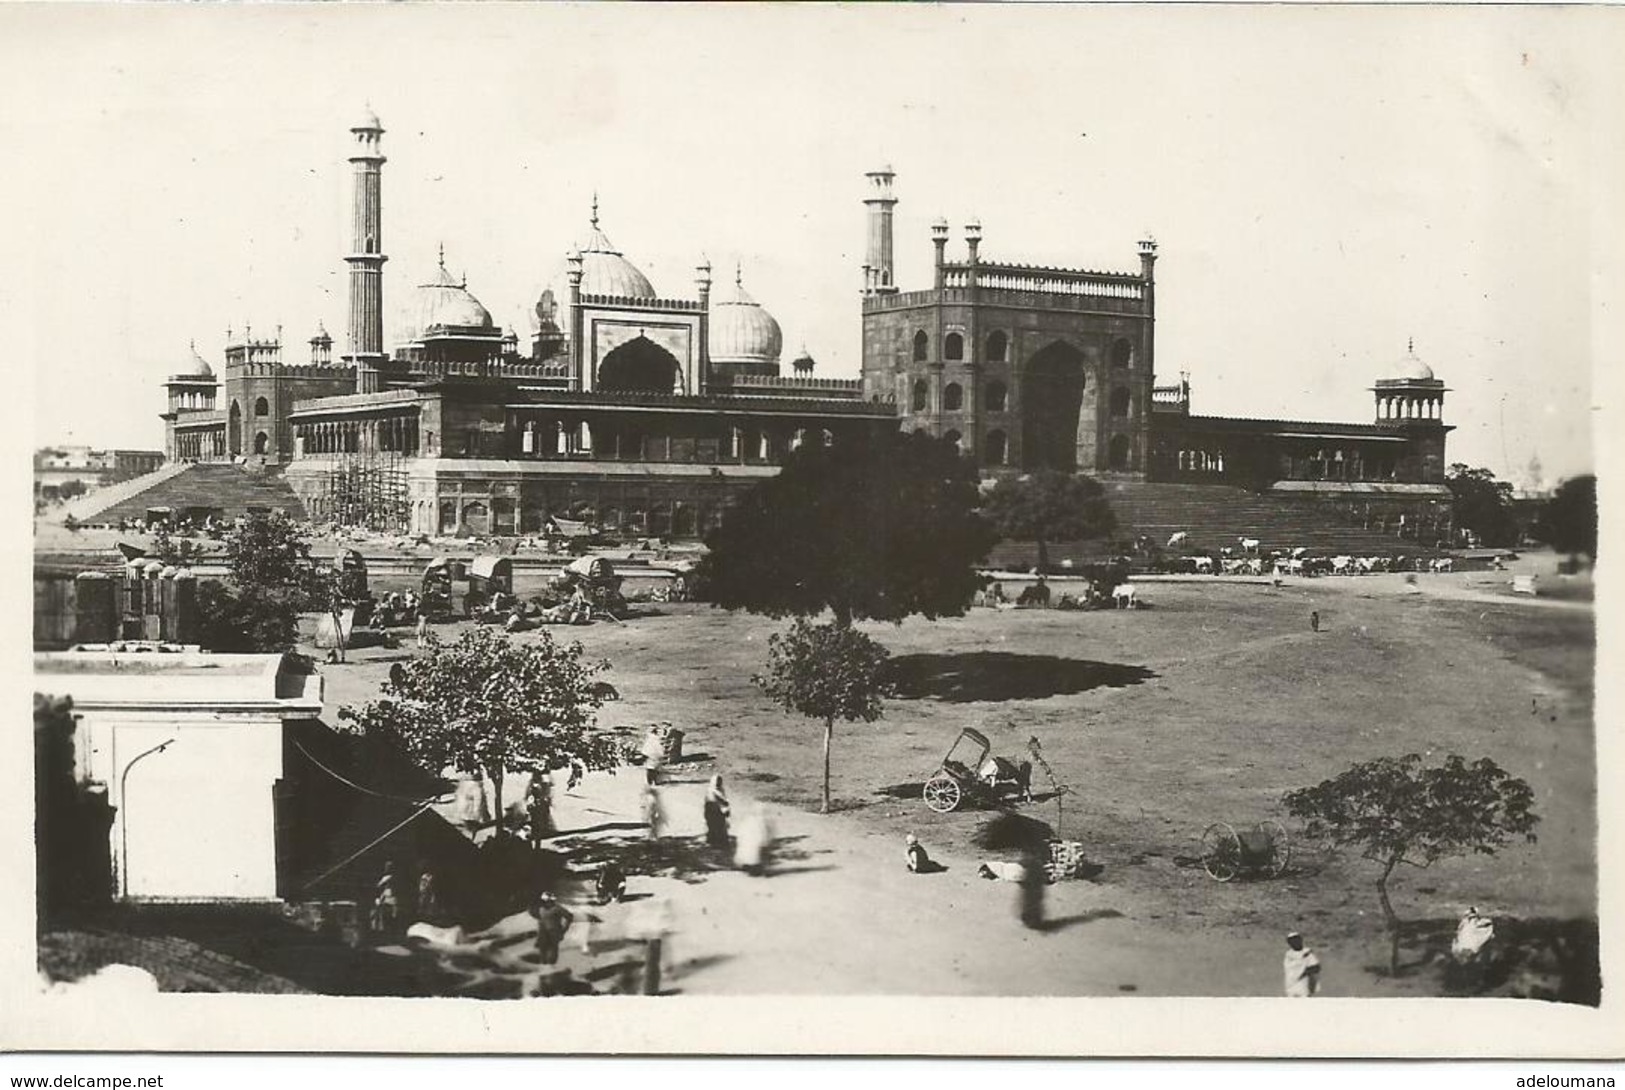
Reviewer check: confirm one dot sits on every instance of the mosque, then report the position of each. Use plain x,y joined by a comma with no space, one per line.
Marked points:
648,413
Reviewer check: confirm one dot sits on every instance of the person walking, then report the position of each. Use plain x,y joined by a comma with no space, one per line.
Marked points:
423,629
552,921
1300,968
428,908
1314,620
654,812
386,904
539,807
716,814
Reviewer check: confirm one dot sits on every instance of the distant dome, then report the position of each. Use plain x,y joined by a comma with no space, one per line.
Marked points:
804,363
445,302
198,367
742,331
1411,368
604,271
369,120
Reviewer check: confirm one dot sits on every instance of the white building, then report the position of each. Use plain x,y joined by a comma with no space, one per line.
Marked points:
189,746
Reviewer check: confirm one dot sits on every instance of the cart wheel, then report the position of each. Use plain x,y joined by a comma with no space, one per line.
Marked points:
1221,852
1280,847
942,793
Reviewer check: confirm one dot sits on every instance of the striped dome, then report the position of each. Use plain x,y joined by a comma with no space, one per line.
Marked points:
445,302
742,331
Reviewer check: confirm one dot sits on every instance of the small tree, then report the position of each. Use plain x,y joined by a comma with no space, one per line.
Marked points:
169,549
487,706
868,529
1569,520
1049,505
1398,811
1482,504
271,553
828,672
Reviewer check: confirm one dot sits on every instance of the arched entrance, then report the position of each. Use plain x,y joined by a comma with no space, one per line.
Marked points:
640,364
234,430
1052,395
477,519
1117,455
262,443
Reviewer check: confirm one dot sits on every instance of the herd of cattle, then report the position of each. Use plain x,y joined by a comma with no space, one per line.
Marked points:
1247,559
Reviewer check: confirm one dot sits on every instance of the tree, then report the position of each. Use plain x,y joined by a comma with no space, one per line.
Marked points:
273,579
1049,505
871,529
1569,519
1398,811
1482,504
270,553
233,621
67,490
179,552
487,706
826,672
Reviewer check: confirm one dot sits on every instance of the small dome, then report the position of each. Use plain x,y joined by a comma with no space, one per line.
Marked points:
198,367
1411,368
445,302
369,121
742,331
804,363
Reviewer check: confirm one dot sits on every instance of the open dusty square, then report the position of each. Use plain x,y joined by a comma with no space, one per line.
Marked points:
1204,705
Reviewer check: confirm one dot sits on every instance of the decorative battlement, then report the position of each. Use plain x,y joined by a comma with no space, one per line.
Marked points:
1041,279
382,400
1172,399
713,402
293,370
788,384
633,303
1128,303
200,418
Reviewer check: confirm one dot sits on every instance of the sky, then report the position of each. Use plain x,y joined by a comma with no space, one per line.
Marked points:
1324,184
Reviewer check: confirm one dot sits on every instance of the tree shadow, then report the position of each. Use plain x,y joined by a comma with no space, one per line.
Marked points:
1544,957
970,676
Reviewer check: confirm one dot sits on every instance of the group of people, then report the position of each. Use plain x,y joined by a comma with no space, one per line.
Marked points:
395,901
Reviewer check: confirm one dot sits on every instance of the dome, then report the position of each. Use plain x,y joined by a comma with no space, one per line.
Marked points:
742,331
445,301
1411,368
368,122
604,271
198,367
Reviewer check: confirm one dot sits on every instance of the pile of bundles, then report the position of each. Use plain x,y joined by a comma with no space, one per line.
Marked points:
1065,860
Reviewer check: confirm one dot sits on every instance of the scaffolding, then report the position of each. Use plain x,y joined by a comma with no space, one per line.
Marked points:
369,491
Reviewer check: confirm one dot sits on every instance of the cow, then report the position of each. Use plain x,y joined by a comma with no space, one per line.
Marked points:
1444,564
1204,565
1176,540
1249,544
1255,566
1123,596
1232,567
1342,565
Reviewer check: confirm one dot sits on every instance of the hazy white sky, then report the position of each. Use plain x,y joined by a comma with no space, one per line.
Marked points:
1324,184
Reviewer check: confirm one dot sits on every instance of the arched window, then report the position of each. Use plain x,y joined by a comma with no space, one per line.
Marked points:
953,397
261,443
955,438
953,346
1120,400
996,393
1122,352
922,345
997,345
1118,452
916,403
262,407
996,449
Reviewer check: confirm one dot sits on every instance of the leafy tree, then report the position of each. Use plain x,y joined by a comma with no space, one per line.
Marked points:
828,672
234,621
1049,505
67,490
1482,504
271,553
179,552
1398,811
487,706
872,529
1569,520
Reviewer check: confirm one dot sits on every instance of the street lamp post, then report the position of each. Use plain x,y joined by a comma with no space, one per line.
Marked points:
124,815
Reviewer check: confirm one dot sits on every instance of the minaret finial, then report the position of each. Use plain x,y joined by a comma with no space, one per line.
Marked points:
739,275
1410,346
595,208
442,255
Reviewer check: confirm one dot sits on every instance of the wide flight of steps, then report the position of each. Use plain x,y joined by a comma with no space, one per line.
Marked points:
222,486
1214,517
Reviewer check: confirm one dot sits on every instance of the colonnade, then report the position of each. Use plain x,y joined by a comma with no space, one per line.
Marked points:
1410,408
359,435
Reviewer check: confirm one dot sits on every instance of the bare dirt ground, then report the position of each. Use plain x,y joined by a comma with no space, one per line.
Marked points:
1205,705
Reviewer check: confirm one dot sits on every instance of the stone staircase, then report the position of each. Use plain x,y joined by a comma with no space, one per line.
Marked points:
1215,517
222,486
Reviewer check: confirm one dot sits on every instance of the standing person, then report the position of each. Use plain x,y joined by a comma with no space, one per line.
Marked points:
1300,968
539,806
716,814
1314,620
654,813
753,846
552,921
386,904
423,629
428,899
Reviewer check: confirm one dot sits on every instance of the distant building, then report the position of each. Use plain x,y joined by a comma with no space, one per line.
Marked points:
57,466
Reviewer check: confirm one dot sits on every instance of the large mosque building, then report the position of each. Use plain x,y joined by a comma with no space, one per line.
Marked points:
647,412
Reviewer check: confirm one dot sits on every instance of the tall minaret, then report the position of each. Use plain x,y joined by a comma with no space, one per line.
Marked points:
366,258
877,265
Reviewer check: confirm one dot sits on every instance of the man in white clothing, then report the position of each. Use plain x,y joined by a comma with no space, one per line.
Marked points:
1301,968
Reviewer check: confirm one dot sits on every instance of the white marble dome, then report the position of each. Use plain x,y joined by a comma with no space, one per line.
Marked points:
1411,368
604,271
742,331
445,302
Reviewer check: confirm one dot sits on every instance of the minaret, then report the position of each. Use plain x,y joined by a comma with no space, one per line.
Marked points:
877,275
366,258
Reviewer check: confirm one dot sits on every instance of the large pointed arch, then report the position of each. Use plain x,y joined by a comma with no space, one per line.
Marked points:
1053,381
640,364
